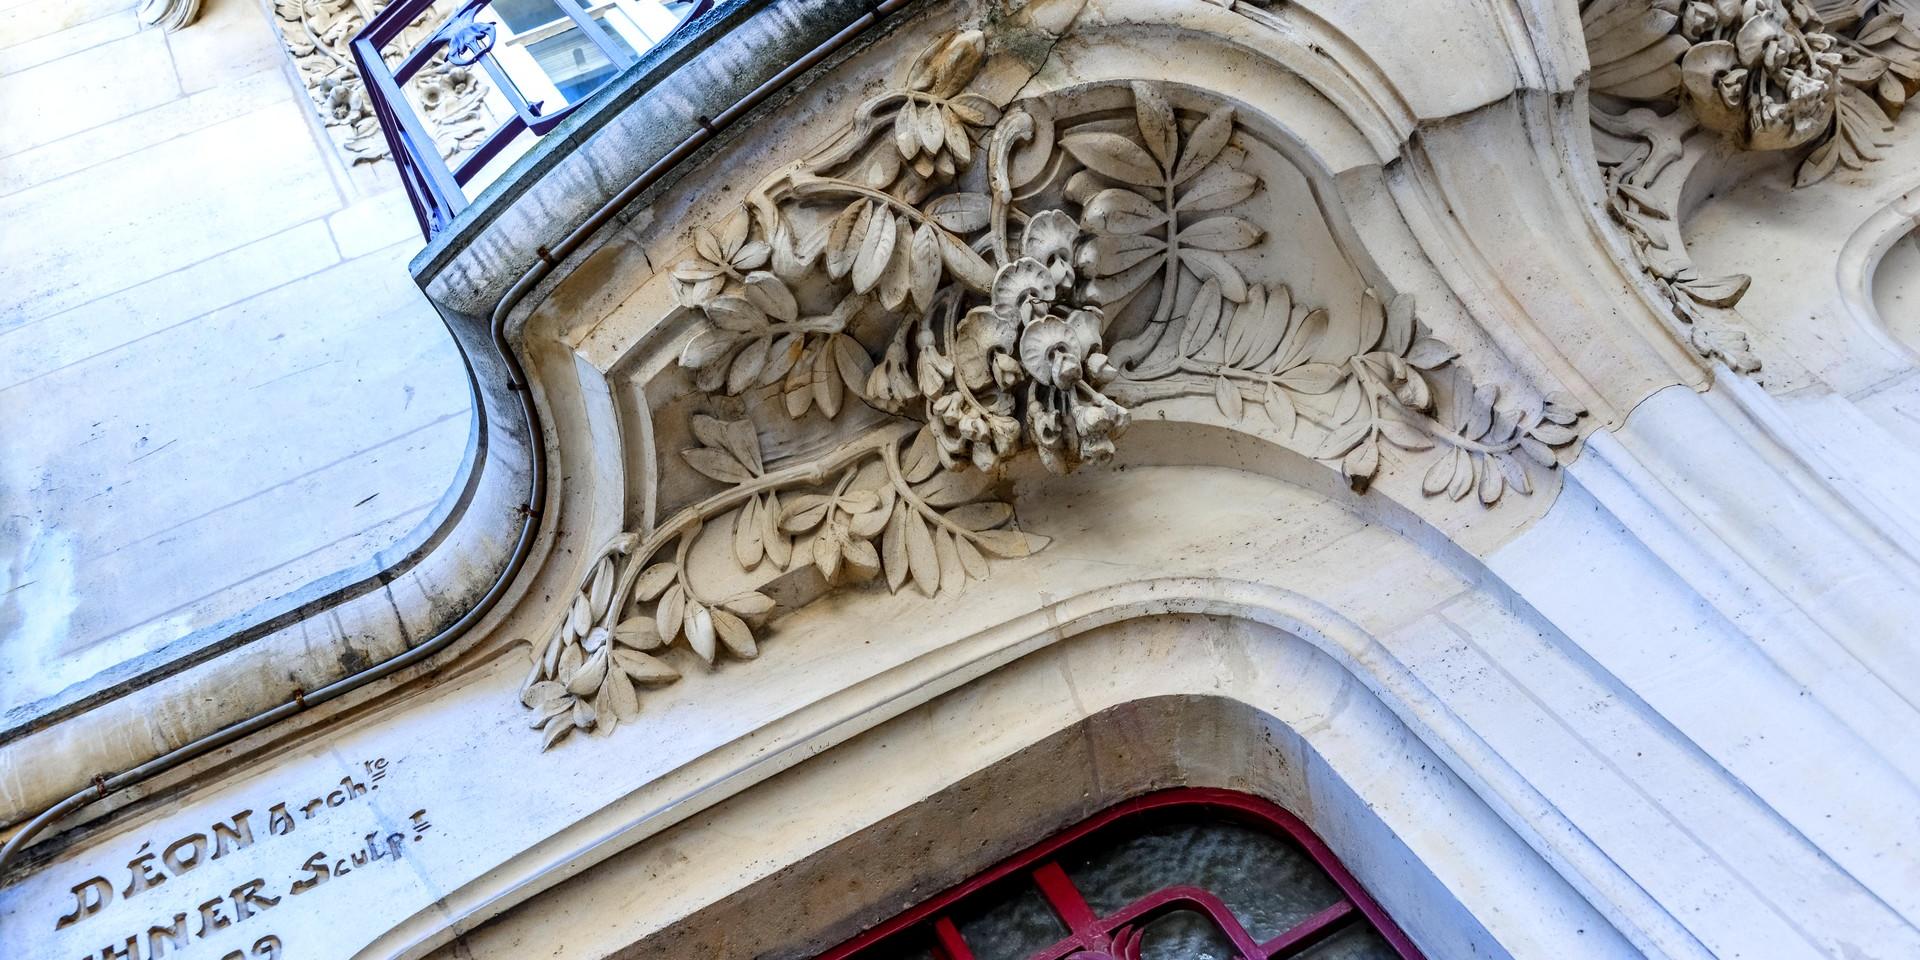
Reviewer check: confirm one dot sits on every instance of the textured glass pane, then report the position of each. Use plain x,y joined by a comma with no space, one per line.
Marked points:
1008,923
1357,942
910,947
1268,883
576,65
1184,935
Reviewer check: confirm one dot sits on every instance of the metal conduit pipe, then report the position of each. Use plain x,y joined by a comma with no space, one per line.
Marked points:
536,505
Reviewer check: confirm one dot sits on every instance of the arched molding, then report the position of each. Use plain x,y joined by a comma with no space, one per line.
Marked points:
1109,718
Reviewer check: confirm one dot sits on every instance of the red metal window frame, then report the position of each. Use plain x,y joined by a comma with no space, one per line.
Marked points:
1117,934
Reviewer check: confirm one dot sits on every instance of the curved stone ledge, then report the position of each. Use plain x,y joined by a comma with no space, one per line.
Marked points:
276,653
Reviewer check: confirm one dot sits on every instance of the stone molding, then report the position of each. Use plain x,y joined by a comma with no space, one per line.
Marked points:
1610,739
1772,75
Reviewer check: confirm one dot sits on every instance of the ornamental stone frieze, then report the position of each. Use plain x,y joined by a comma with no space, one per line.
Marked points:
1032,404
1819,81
452,99
957,280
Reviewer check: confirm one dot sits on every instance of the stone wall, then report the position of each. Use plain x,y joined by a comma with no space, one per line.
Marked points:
217,381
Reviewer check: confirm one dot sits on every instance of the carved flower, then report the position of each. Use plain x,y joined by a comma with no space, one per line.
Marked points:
1033,334
1767,76
346,102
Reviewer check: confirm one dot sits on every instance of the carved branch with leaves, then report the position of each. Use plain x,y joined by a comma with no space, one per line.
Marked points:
996,281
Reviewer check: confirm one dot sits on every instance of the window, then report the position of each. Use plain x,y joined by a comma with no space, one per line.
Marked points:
1181,875
554,62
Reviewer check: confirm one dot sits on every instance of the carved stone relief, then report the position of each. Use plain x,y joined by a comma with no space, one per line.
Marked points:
1828,76
1026,277
451,98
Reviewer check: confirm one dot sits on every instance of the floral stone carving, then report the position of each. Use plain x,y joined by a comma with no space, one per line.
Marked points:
1768,75
318,34
1024,280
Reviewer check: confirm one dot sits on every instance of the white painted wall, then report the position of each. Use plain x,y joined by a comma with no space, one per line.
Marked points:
217,381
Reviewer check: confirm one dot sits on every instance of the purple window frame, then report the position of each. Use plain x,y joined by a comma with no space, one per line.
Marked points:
1117,935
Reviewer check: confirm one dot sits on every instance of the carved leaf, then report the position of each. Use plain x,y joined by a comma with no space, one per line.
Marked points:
1313,378
747,366
1221,233
736,315
734,634
749,544
779,545
1227,397
982,515
1204,145
669,614
1400,322
854,364
966,265
1115,156
638,633
922,562
1010,544
1281,410
1217,189
960,212
875,250
1428,353
1120,211
654,580
1203,317
1343,439
1158,129
923,266
827,389
1110,255
621,699
893,548
699,631
1248,326
1207,263
971,560
846,237
749,604
717,464
805,513
770,294
645,670
1363,461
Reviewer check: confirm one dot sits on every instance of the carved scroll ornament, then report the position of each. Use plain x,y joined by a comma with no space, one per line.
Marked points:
1024,281
1826,75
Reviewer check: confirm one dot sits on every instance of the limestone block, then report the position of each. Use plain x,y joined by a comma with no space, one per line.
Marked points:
84,90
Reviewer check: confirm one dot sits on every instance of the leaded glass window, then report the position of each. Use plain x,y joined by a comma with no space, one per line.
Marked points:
1180,875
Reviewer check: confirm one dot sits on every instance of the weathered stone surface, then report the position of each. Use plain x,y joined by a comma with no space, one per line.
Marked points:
1046,403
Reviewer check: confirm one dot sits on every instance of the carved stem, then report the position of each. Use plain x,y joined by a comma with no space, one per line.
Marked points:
690,519
890,455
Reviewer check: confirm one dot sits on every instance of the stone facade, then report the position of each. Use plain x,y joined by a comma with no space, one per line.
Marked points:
1485,430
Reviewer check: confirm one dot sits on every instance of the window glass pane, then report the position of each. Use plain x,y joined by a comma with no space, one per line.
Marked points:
1184,935
576,65
1357,942
523,15
1269,883
1011,922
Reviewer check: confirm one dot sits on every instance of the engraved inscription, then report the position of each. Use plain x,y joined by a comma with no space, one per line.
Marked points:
192,919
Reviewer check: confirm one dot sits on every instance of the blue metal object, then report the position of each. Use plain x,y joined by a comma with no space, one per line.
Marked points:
437,192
